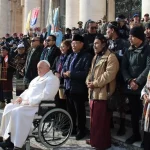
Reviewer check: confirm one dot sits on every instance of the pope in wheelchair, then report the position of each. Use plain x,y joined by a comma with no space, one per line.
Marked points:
18,116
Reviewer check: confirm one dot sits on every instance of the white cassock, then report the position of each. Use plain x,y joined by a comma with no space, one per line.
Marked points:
17,119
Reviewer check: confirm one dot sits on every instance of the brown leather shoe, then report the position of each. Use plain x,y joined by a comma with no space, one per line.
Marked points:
88,142
1,139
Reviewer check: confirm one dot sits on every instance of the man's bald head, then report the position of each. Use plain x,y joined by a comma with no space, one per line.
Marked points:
43,67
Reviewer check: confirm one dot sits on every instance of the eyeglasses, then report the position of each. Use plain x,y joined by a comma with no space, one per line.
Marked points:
48,40
93,28
34,40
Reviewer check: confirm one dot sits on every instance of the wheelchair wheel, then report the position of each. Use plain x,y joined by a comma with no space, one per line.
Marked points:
55,128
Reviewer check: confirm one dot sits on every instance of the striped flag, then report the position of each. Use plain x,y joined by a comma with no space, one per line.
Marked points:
28,21
34,17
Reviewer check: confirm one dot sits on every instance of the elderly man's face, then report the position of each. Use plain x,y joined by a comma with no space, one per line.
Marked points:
76,46
42,68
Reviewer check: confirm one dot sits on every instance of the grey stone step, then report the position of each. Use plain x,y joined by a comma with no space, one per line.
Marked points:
121,139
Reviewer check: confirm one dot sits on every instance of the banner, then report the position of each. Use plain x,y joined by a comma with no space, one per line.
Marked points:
28,21
50,14
34,17
55,18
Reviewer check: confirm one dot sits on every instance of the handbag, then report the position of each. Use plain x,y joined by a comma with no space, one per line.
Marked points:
113,100
62,94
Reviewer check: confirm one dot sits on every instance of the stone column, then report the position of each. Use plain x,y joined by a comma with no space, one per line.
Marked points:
72,13
62,13
4,15
145,7
29,5
42,14
92,9
111,10
85,10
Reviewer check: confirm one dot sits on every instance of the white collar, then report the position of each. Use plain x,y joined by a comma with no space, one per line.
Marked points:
45,76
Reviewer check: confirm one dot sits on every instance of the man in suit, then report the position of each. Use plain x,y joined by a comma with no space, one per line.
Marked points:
81,30
51,51
18,116
75,71
44,34
32,60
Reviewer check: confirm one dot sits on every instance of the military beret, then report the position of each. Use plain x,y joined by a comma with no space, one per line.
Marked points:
146,15
147,26
80,22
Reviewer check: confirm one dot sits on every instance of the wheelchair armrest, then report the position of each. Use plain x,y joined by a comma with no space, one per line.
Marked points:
45,105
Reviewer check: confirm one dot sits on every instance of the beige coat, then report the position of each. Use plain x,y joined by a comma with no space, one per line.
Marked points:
105,72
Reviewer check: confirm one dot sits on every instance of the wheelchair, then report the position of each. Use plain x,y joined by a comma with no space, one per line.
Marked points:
51,126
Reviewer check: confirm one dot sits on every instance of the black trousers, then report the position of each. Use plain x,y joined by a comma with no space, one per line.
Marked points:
76,108
146,141
136,107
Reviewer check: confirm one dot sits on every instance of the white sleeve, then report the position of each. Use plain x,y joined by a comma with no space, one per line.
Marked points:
49,92
24,95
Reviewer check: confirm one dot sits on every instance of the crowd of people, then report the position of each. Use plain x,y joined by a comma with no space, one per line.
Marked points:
91,63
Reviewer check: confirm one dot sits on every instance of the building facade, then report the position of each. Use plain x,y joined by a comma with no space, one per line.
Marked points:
13,13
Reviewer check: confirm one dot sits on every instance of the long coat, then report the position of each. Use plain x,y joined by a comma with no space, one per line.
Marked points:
7,73
103,73
79,73
17,119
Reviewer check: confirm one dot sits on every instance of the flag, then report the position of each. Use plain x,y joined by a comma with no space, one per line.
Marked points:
34,17
50,14
28,21
55,18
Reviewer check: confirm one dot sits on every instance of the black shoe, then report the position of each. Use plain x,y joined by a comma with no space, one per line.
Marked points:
17,148
121,131
9,149
5,145
74,132
1,139
80,135
133,139
65,133
142,144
